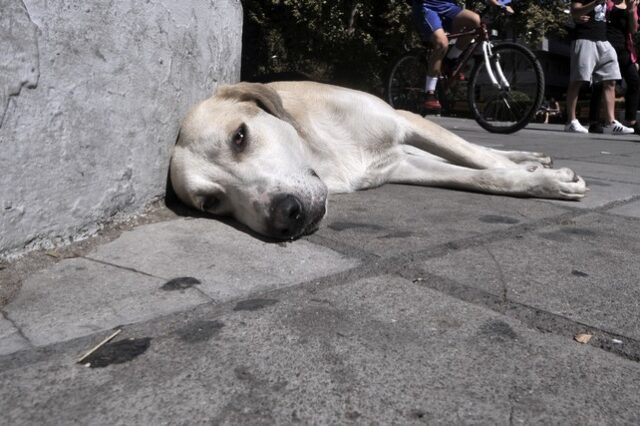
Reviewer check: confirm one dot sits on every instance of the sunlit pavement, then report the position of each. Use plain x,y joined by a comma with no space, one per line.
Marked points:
409,305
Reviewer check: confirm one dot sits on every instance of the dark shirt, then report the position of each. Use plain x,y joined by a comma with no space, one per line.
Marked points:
617,28
596,28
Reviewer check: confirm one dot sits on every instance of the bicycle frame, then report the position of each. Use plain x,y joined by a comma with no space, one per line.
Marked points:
481,33
505,86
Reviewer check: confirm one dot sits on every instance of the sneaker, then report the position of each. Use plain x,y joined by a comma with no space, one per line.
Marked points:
595,128
431,104
575,127
636,128
616,128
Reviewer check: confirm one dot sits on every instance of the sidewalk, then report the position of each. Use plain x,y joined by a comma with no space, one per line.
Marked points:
409,305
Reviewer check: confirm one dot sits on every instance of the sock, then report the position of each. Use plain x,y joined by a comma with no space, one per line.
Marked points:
430,84
454,52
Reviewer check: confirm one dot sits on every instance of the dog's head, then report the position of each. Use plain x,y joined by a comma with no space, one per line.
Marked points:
241,154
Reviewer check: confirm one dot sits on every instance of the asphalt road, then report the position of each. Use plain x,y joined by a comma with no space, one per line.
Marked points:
409,305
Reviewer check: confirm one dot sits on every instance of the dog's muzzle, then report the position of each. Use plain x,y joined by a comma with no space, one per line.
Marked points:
288,218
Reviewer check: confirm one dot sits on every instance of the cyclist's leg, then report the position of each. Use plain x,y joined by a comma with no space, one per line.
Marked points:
431,31
430,26
456,19
465,20
439,44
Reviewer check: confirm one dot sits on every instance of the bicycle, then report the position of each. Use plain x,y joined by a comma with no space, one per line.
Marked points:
505,87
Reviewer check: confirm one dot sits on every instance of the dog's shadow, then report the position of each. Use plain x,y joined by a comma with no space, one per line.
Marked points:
173,203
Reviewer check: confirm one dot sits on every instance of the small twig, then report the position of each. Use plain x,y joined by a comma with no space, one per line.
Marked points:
99,345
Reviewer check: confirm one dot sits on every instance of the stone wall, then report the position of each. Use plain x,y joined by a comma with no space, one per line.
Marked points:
91,97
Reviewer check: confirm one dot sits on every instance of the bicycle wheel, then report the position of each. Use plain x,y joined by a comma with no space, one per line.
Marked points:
405,84
506,108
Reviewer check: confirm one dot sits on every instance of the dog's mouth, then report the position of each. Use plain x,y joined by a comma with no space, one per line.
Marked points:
289,218
314,225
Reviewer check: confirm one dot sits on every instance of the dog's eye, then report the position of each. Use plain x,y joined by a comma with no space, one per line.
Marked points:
240,137
210,203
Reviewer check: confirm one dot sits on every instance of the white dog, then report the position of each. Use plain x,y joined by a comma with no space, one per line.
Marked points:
268,155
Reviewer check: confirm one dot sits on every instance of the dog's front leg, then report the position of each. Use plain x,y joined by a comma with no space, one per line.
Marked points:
439,141
533,181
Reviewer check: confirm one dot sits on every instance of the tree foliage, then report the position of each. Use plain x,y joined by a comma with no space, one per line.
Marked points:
533,19
352,42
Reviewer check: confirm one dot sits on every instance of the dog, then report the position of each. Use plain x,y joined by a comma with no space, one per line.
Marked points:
269,155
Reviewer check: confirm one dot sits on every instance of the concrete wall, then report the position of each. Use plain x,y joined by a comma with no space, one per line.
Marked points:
91,96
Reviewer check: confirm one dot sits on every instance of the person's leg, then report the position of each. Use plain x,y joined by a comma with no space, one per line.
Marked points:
612,126
595,103
608,72
456,19
431,31
582,57
632,96
465,20
609,99
439,43
430,28
572,99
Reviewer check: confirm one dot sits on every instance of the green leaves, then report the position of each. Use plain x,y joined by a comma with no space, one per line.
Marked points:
347,42
352,42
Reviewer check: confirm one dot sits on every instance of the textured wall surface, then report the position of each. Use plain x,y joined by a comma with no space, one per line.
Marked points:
91,97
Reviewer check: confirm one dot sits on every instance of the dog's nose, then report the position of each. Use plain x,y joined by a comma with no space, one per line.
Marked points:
287,216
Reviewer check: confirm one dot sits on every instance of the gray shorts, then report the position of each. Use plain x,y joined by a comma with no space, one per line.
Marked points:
593,61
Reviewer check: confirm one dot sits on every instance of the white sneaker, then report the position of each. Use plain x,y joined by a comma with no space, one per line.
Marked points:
616,128
575,127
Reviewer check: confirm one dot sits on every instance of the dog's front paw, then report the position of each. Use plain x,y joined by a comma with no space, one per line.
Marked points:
563,184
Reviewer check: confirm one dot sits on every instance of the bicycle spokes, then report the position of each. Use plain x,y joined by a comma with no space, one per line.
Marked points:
405,89
506,87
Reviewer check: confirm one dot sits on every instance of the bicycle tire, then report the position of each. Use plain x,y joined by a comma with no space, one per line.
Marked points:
507,110
404,87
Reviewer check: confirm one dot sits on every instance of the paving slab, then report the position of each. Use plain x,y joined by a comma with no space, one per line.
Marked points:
10,338
629,210
78,297
228,262
585,270
395,219
375,351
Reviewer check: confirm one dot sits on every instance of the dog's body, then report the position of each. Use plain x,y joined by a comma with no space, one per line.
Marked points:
269,154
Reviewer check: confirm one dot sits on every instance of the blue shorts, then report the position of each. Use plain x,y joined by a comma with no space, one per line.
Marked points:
431,15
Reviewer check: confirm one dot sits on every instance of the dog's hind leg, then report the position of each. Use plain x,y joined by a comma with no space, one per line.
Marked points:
533,181
438,141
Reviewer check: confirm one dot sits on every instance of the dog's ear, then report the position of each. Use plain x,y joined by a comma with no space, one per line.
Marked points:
262,95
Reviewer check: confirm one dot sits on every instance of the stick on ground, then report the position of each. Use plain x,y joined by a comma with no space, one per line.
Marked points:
99,345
